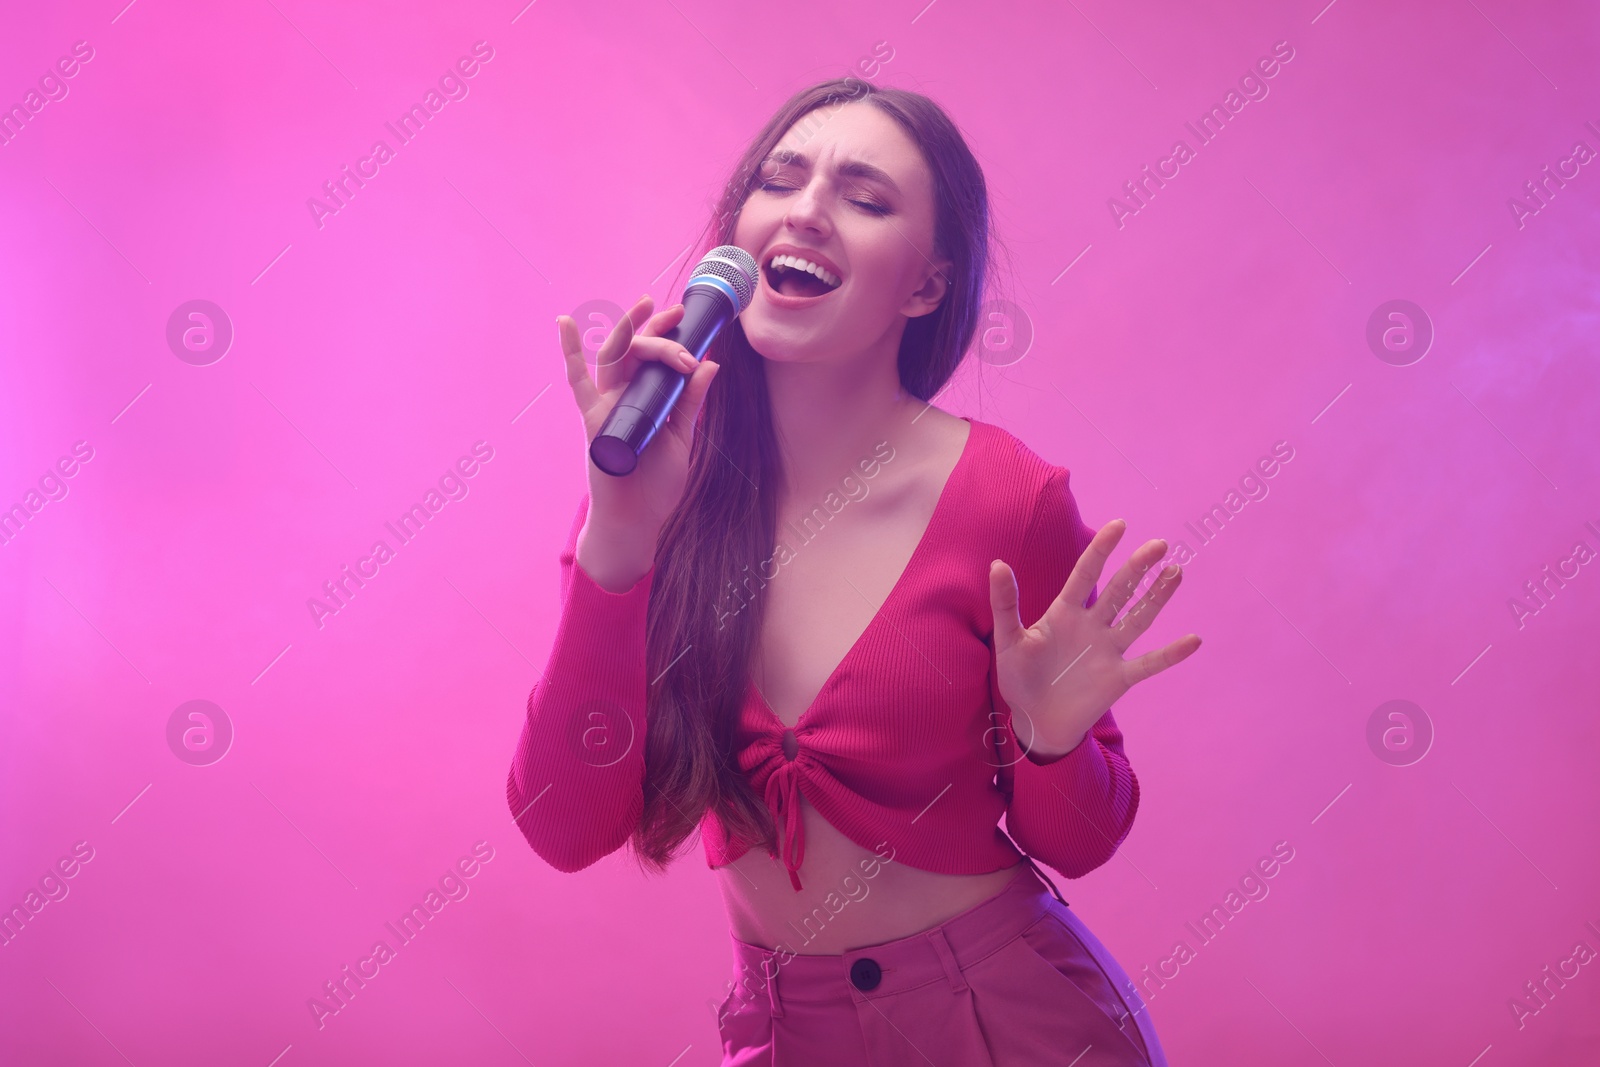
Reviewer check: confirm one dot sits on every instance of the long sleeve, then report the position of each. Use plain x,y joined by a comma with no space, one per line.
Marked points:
575,787
1073,811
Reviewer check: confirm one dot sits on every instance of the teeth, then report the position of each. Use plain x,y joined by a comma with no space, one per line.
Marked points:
827,277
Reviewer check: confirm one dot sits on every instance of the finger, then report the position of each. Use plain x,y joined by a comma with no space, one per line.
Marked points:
614,363
686,411
1122,585
1138,618
1085,576
640,312
611,363
1153,663
583,387
665,351
1003,599
663,320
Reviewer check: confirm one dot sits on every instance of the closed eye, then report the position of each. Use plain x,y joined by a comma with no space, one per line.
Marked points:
867,205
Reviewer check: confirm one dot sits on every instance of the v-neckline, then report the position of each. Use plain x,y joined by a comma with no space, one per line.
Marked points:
939,508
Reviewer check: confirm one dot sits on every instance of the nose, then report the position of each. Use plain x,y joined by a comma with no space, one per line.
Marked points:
806,210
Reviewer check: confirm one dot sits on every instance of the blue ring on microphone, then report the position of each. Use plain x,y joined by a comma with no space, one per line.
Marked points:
716,283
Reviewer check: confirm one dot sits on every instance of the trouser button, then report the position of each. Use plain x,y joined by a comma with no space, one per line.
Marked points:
865,974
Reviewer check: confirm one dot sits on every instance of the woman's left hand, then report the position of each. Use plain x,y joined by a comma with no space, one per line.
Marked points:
1061,674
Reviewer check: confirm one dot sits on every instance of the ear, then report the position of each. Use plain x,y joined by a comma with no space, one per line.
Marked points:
935,286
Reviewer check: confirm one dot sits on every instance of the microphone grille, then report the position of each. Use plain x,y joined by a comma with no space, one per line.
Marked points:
733,265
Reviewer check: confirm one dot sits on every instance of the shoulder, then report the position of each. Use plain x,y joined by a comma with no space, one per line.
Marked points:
1008,499
1023,477
1042,528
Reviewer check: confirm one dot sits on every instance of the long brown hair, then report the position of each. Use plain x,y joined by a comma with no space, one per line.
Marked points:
707,597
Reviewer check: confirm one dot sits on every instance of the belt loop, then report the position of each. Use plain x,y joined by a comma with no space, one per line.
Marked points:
772,987
952,969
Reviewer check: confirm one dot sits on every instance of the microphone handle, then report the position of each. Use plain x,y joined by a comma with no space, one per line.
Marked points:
644,405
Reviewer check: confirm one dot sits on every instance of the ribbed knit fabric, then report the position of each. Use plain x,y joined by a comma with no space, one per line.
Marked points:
908,742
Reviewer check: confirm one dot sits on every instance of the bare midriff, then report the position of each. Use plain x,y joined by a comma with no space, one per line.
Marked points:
875,896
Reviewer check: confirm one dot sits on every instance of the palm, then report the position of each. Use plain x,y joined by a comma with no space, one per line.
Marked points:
1062,673
644,498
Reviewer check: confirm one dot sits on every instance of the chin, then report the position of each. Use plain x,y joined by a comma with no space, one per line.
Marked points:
783,344
778,351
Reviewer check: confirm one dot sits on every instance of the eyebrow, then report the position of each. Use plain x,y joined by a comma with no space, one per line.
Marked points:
852,168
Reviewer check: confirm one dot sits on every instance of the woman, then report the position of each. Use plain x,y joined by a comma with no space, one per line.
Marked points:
784,629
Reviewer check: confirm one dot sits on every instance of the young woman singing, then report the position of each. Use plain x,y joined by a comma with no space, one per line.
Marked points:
840,632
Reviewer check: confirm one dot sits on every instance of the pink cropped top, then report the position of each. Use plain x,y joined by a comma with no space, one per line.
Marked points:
908,742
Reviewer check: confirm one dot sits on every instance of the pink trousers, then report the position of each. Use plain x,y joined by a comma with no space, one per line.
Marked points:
1016,980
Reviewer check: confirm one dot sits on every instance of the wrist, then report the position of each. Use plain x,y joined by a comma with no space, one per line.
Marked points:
1042,752
615,563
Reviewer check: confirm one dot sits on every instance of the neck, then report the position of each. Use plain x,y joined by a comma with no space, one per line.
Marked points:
827,416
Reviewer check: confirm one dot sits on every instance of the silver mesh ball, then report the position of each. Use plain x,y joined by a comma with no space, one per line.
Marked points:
733,265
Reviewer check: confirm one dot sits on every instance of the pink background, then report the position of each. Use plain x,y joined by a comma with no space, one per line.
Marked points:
1229,314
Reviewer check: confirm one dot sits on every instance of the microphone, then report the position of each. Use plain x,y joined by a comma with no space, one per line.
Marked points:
721,287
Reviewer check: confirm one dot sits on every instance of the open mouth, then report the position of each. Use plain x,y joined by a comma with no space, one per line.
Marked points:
797,278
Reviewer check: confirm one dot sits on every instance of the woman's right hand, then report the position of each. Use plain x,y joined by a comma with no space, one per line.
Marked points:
626,513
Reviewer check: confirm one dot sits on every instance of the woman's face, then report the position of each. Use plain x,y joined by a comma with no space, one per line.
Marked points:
848,189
